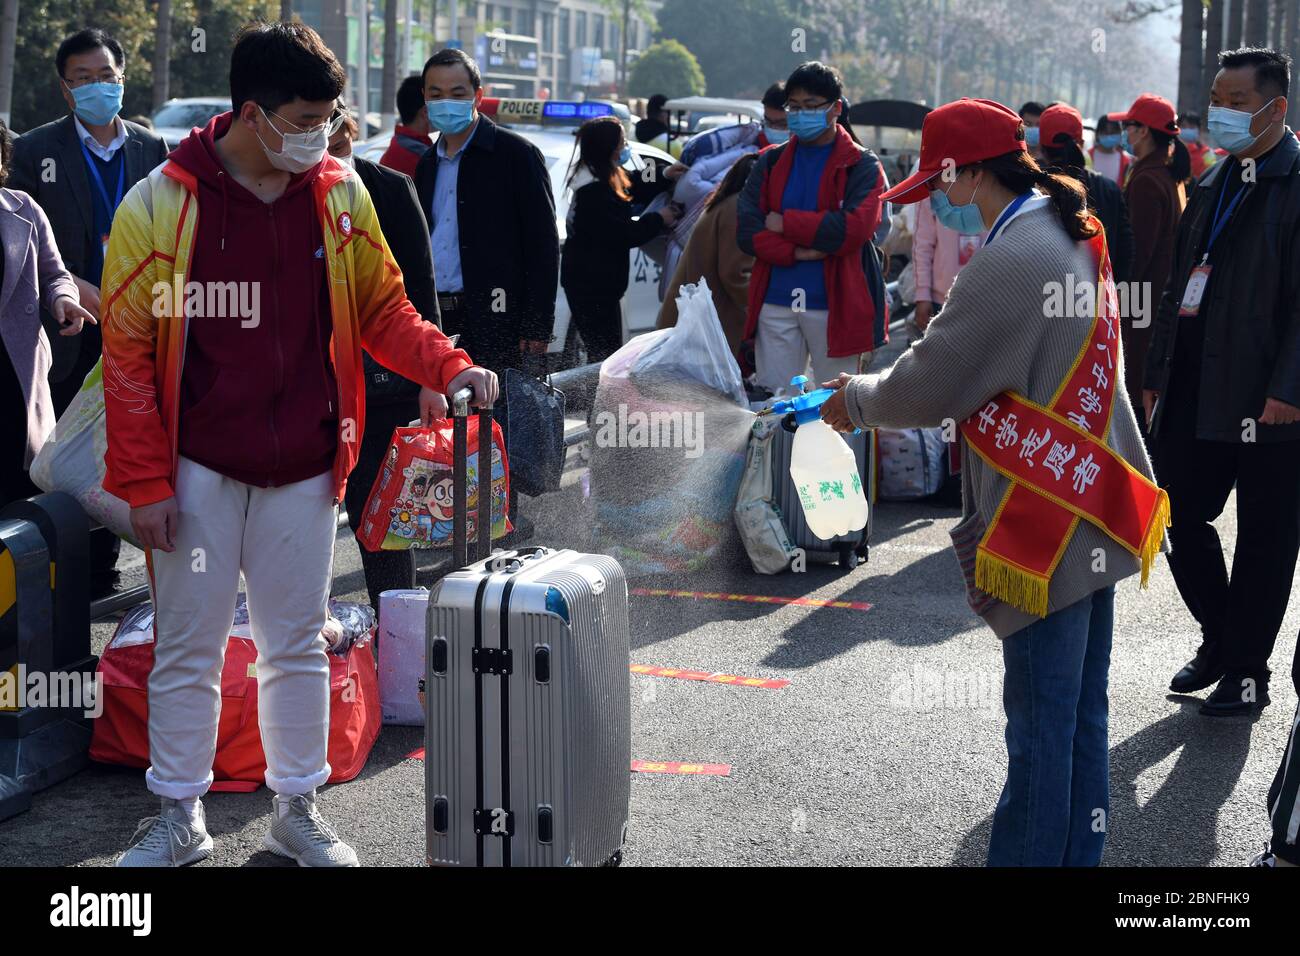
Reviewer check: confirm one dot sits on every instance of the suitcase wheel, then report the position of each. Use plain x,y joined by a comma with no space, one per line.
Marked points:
848,558
615,860
864,552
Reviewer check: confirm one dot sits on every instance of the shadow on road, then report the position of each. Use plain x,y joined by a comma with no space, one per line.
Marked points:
1178,824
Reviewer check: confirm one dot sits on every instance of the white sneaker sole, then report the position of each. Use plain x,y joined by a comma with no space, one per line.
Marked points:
200,852
275,846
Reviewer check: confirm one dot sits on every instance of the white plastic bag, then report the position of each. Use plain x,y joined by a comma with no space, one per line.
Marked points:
757,518
72,458
694,350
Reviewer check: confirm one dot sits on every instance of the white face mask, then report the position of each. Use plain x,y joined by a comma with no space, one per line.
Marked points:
300,151
346,160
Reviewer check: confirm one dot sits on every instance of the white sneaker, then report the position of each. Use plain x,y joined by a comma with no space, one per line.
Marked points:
299,832
170,839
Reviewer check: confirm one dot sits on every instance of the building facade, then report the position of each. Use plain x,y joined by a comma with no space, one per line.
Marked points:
558,49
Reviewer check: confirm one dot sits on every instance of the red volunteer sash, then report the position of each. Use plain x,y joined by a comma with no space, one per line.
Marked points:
1062,469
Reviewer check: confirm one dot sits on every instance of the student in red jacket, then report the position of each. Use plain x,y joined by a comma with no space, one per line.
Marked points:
807,214
411,136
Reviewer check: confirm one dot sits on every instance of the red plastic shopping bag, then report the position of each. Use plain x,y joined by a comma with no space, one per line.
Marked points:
410,505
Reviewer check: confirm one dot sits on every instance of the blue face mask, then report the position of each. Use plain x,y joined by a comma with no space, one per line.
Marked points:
1189,136
1230,129
1109,140
97,103
1124,142
625,155
966,219
776,136
809,124
450,116
1031,137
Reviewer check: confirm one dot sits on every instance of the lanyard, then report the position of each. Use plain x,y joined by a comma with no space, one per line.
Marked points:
99,181
1221,217
1007,214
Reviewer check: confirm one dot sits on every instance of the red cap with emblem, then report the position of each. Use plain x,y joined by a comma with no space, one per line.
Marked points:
957,134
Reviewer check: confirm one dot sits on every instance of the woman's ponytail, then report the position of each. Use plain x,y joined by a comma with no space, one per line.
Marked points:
1180,167
1019,173
1180,163
1071,201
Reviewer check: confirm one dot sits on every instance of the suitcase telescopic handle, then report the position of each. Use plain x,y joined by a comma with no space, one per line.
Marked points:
460,480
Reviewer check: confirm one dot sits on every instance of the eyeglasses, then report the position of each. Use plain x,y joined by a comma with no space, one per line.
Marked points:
331,125
805,109
81,81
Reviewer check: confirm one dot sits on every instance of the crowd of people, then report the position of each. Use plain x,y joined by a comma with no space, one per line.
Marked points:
387,286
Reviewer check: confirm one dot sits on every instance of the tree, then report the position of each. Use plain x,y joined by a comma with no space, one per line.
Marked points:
388,86
1191,59
1255,28
668,68
742,45
162,54
621,12
8,39
1213,47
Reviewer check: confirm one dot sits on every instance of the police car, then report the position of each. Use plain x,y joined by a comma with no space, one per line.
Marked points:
550,125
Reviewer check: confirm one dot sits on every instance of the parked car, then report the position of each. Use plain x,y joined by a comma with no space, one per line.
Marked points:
175,118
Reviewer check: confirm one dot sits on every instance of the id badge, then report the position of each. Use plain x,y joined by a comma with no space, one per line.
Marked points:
1195,290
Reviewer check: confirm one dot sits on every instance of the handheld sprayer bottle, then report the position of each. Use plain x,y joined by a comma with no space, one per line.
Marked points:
822,466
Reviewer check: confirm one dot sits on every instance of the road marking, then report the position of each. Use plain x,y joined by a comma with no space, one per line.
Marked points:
751,598
766,683
650,766
690,769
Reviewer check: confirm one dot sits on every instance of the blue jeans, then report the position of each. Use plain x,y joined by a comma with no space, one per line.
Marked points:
1055,805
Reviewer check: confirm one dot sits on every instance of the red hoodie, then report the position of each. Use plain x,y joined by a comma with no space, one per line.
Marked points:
259,399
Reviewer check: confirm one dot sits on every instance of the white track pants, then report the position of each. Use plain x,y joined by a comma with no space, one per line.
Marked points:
785,341
283,541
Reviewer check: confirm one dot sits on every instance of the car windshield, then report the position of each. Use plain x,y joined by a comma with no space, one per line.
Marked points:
186,115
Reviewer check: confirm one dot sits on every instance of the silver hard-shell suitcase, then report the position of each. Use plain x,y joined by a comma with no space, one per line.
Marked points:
528,713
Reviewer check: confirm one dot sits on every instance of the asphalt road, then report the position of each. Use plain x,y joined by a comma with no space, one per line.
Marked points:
885,748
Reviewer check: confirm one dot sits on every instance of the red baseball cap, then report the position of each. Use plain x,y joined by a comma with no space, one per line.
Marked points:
957,134
1059,119
1150,110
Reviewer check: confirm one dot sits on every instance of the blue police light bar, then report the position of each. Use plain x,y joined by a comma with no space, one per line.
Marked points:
556,110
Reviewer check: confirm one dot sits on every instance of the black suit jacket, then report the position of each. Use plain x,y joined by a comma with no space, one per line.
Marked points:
49,166
509,240
405,229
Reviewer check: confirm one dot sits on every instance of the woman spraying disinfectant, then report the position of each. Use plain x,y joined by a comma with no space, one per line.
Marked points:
822,466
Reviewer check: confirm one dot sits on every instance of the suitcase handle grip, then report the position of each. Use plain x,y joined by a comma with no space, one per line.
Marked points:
460,480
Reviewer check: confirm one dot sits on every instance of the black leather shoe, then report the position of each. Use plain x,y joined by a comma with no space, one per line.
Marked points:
1199,673
1237,694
